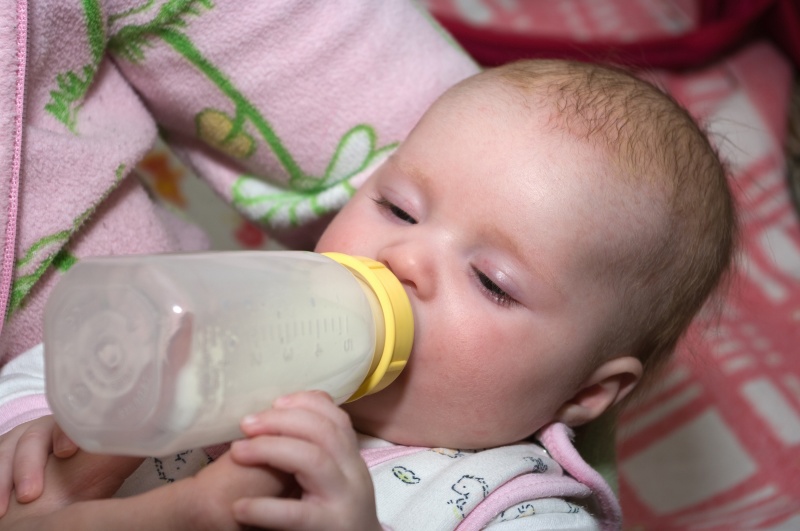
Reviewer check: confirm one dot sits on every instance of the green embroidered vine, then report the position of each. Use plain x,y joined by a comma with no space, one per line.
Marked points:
71,87
95,30
130,41
23,285
244,109
61,259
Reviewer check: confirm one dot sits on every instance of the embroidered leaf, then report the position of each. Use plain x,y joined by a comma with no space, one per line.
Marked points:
71,87
355,150
64,260
278,207
65,100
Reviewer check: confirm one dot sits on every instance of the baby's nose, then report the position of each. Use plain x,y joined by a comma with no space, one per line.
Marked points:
413,267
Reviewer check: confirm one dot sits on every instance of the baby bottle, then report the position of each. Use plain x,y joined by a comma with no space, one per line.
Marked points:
151,355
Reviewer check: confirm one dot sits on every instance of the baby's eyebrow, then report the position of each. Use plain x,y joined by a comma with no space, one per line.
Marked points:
548,279
409,169
505,241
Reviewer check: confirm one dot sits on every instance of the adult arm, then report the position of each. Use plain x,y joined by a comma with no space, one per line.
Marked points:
200,502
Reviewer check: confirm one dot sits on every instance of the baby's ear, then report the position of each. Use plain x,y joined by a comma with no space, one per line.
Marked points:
607,385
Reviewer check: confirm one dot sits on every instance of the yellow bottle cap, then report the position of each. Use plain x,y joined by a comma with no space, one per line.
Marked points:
391,354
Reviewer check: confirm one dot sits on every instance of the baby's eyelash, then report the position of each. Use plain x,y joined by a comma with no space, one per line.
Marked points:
395,210
493,291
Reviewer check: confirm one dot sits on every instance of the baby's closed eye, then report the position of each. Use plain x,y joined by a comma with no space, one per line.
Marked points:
494,292
394,210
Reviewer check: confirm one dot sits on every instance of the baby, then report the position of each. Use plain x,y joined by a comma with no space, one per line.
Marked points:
556,225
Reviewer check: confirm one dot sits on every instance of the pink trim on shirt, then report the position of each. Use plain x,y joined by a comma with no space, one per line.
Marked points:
518,490
376,456
556,439
22,409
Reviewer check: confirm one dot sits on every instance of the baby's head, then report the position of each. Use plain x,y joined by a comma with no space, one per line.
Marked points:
556,225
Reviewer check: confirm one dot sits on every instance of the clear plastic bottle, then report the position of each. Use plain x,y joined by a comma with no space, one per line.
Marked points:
150,355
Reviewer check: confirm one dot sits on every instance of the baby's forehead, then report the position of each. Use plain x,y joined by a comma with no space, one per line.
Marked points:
607,107
588,114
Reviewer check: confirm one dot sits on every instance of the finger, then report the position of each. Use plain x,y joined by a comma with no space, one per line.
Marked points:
63,446
318,407
317,401
335,435
33,448
8,445
314,469
279,513
5,493
295,421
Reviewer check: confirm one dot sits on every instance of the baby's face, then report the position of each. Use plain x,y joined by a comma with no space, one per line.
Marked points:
491,222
